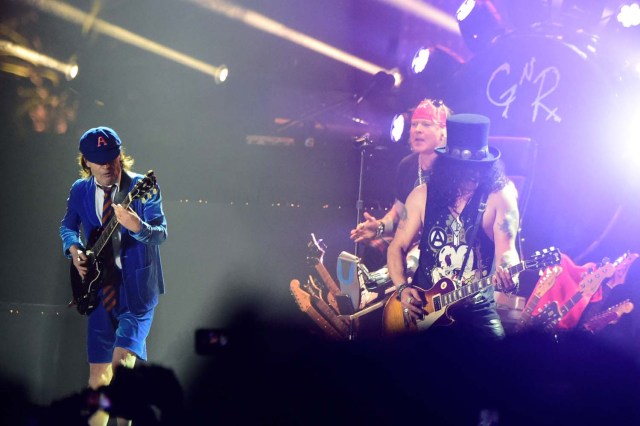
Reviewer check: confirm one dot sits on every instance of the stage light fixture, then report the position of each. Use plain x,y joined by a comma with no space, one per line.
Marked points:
629,15
396,131
479,23
223,73
69,70
420,60
429,75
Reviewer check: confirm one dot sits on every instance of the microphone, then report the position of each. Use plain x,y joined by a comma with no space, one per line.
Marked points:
379,83
364,139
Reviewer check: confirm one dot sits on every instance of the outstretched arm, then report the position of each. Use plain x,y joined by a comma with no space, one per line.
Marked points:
368,230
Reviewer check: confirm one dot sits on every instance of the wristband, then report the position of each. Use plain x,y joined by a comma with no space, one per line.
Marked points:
400,289
380,229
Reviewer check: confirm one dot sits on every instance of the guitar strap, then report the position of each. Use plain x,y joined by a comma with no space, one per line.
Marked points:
474,231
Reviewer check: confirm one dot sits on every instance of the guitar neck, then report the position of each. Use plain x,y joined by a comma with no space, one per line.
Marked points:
465,291
610,316
564,310
528,310
108,230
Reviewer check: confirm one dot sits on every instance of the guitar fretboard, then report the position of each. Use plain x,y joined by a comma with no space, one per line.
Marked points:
111,226
476,287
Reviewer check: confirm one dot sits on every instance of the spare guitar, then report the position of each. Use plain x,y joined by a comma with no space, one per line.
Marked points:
610,316
85,291
624,263
543,285
437,299
551,314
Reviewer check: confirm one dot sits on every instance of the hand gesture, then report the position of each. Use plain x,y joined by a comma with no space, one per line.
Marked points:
128,218
365,231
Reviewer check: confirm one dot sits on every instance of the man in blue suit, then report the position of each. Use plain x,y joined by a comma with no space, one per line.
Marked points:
120,323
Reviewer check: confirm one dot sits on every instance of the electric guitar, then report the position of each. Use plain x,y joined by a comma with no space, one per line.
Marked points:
100,260
437,299
543,285
624,263
552,313
609,316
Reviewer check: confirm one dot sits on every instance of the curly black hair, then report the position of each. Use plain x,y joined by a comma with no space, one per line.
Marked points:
448,177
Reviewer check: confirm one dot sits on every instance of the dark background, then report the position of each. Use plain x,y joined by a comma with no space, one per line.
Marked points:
239,215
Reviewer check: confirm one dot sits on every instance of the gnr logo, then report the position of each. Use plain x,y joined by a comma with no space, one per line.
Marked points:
547,81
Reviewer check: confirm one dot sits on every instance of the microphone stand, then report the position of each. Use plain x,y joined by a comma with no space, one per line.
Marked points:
361,142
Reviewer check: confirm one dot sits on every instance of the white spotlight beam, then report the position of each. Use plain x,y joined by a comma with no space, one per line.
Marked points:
70,70
426,12
79,17
268,25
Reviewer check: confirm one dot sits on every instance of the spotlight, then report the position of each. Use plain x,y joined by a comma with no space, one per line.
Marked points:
629,15
479,23
420,60
429,75
396,132
70,70
221,74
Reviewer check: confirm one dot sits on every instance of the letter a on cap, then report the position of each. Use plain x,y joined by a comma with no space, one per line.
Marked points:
101,141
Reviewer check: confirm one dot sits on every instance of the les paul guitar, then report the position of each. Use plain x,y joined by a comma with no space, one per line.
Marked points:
437,299
85,290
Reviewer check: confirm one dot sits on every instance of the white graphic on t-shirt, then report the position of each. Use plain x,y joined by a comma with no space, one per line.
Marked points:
449,261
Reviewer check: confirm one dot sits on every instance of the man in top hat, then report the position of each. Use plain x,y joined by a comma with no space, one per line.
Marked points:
120,321
427,132
446,209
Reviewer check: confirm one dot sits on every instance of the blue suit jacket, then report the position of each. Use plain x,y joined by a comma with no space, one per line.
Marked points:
139,252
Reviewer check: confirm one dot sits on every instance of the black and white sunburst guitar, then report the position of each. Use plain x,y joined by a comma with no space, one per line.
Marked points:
100,255
437,299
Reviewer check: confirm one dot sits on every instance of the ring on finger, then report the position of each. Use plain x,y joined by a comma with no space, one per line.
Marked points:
409,299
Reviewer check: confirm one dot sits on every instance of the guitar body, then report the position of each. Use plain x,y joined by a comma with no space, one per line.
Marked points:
85,291
549,316
445,293
395,320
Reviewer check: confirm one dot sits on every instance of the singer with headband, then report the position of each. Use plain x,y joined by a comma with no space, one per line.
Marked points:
427,132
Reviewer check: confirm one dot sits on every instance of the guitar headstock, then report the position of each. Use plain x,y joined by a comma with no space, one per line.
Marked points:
544,258
547,279
590,283
145,188
316,248
622,265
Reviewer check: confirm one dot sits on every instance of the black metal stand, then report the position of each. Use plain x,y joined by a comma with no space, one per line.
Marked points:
362,142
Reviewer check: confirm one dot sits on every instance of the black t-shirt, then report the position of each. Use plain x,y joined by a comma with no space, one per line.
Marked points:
407,176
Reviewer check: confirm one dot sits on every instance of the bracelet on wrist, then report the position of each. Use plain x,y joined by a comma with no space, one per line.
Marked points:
380,229
400,289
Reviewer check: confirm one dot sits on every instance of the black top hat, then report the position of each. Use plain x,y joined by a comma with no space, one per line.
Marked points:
468,139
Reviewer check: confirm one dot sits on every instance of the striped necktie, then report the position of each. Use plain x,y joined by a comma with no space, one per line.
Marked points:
109,294
106,207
